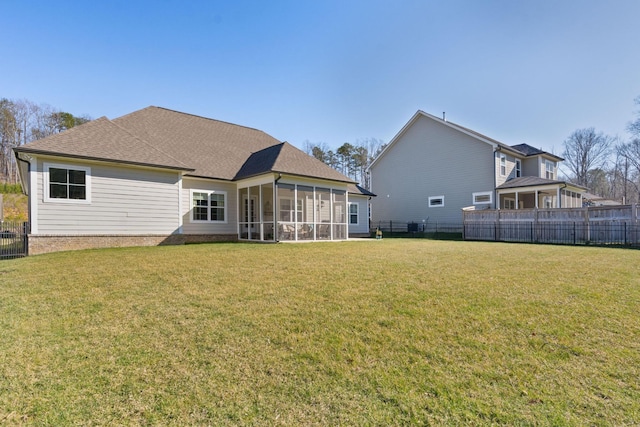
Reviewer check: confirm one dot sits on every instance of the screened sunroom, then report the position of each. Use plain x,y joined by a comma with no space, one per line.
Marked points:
276,211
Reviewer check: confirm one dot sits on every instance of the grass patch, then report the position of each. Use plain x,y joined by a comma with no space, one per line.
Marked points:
391,332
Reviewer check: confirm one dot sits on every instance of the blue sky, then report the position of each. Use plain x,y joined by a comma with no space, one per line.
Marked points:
334,71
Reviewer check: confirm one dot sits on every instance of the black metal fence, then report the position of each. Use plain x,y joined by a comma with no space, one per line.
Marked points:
425,229
623,233
13,239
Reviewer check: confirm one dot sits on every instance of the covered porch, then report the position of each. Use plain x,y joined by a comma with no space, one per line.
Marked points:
280,209
533,192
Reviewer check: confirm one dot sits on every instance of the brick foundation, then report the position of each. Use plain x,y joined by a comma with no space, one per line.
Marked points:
42,244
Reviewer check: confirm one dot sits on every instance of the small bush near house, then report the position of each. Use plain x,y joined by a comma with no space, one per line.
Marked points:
379,332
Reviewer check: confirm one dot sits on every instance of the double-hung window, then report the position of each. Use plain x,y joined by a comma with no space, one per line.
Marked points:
503,165
67,184
208,206
353,213
518,168
550,169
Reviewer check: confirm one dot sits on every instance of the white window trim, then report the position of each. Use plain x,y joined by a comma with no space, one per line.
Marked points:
209,193
509,199
433,198
548,163
518,168
482,193
357,214
45,174
503,162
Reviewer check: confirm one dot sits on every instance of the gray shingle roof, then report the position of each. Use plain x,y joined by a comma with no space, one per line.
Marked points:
101,139
356,189
203,147
531,181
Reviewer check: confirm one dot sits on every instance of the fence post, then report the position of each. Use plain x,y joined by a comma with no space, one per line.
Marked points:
390,228
25,238
587,225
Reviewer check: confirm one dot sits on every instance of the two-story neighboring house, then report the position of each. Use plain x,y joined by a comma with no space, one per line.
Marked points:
433,168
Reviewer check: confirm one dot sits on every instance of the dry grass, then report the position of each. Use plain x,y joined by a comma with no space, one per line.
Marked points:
15,207
391,332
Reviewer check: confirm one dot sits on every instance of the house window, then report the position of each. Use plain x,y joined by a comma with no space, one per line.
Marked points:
353,213
509,203
208,206
436,201
550,169
67,184
482,197
518,168
503,165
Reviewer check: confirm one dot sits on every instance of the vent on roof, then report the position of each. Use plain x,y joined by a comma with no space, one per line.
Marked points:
444,116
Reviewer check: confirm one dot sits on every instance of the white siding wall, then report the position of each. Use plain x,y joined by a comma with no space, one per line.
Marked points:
124,200
190,227
430,159
363,216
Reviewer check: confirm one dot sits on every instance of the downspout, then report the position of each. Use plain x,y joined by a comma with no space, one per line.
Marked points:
560,195
275,207
25,188
496,203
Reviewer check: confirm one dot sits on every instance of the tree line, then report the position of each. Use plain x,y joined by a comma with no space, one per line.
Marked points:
351,160
23,121
608,166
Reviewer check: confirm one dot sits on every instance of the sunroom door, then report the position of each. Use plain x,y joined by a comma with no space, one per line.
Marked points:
250,218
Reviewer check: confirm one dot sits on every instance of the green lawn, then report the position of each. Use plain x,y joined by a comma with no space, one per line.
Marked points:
390,332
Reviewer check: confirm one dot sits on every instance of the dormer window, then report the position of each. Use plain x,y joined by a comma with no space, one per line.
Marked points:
550,168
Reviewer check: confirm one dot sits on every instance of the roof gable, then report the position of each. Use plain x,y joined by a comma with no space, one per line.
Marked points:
515,149
285,158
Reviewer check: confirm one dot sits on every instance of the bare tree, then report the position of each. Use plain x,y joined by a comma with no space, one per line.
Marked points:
585,150
634,126
22,121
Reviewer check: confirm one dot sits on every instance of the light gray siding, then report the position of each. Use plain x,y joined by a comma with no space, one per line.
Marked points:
124,200
530,167
363,215
230,226
430,159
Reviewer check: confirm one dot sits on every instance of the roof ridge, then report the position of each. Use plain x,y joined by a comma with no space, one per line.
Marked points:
205,118
146,142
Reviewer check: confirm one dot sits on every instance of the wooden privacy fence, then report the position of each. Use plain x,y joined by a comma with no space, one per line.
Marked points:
598,225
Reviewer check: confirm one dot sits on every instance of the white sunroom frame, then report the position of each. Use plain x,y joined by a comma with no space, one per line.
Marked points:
272,230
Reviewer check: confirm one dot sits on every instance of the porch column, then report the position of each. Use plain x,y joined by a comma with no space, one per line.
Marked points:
517,202
558,200
536,199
